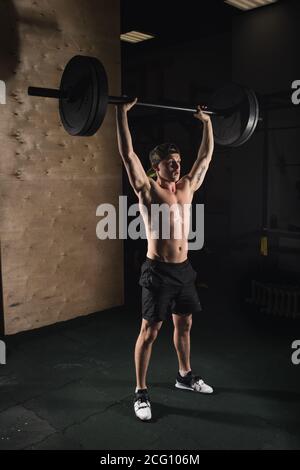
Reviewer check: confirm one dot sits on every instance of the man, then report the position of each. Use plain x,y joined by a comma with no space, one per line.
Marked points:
167,277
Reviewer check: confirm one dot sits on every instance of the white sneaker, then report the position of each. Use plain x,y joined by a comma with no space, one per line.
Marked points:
193,383
142,406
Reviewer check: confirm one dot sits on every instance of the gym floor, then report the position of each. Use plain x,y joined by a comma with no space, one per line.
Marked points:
70,386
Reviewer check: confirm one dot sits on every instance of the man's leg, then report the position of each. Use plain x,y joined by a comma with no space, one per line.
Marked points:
185,380
182,328
143,349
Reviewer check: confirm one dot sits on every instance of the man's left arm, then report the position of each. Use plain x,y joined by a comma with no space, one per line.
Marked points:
200,167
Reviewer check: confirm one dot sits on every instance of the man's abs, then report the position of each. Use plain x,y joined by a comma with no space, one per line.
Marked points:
169,251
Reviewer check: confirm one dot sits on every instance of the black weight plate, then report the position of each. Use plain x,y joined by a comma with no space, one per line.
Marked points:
253,118
101,100
85,95
94,84
241,111
77,82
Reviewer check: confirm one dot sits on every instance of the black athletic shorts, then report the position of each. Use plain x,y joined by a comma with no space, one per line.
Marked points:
168,288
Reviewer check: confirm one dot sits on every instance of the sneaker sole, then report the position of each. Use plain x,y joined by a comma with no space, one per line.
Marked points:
143,419
184,387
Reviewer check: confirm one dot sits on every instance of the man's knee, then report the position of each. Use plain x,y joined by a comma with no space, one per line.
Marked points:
183,323
149,331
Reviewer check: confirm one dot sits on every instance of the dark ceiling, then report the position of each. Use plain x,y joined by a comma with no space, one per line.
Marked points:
175,22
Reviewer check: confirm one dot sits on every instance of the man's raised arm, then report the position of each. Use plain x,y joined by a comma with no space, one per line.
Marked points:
200,167
136,173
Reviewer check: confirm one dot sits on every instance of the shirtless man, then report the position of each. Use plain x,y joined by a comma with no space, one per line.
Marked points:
167,277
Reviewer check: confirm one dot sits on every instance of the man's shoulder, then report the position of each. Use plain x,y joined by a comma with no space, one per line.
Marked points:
184,183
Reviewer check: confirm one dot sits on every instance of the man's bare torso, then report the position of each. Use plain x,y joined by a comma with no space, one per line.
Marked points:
167,242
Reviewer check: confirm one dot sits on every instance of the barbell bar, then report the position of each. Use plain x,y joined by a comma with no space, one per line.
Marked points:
126,99
83,99
55,93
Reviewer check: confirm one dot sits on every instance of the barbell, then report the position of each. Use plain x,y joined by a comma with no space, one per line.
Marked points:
83,99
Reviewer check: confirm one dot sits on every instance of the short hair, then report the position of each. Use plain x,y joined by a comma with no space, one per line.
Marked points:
162,151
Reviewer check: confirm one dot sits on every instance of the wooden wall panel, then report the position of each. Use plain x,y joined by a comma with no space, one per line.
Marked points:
53,266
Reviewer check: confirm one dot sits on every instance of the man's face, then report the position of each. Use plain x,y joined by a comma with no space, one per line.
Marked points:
169,168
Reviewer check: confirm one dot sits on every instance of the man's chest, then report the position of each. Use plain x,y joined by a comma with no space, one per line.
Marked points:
163,197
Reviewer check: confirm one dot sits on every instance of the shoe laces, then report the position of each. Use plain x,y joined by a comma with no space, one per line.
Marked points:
143,398
197,381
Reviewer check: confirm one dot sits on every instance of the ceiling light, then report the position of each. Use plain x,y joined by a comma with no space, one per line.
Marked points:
249,4
135,36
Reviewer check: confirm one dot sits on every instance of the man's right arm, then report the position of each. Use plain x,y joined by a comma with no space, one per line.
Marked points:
136,173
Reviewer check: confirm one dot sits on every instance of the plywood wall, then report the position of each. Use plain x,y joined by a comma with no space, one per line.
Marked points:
53,266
